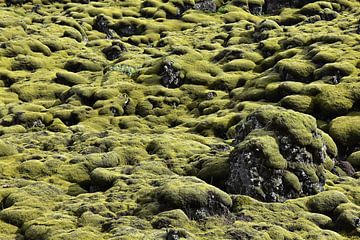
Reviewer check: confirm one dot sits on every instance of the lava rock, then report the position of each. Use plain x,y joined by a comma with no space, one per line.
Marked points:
196,198
102,25
273,6
207,5
279,155
170,75
114,51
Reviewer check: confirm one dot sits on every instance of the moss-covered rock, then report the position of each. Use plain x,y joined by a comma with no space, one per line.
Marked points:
279,155
194,196
326,202
7,149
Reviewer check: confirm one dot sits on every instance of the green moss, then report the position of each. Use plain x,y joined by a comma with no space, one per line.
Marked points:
294,69
189,192
292,180
17,215
344,131
57,126
326,202
334,101
268,146
69,79
239,65
173,218
331,69
7,149
299,103
354,159
33,169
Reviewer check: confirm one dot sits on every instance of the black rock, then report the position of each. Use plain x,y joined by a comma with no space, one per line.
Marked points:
207,5
170,75
102,25
114,51
273,161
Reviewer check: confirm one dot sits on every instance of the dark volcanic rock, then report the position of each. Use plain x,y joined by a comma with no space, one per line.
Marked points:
101,24
273,6
207,5
114,51
170,75
279,155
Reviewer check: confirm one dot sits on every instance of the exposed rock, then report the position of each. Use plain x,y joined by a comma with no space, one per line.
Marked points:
170,75
279,155
114,51
102,25
206,5
196,198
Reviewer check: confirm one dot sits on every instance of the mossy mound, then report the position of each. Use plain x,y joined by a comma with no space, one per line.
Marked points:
279,155
195,197
111,112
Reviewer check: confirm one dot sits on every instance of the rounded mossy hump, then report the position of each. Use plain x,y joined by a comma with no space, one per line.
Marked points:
279,155
347,217
345,132
70,79
295,70
193,196
7,149
239,65
335,100
326,202
299,103
174,218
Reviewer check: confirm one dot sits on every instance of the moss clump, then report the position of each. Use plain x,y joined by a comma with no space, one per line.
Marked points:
345,132
193,196
354,159
295,70
298,103
172,218
69,79
239,65
7,149
276,149
326,202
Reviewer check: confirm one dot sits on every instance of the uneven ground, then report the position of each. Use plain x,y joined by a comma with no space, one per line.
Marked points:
129,119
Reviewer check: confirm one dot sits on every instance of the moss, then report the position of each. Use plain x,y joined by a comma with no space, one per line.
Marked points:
57,126
297,103
17,216
189,192
326,202
344,131
7,149
239,65
292,180
77,65
37,90
76,173
320,220
331,69
69,79
354,159
172,218
333,101
268,146
295,70
103,178
33,169
214,170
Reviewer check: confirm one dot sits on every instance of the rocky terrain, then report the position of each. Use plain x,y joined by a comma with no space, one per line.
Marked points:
179,119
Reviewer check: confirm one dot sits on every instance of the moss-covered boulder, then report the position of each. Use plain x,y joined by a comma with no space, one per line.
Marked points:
279,155
7,149
326,202
193,196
